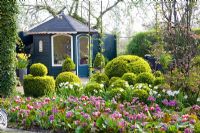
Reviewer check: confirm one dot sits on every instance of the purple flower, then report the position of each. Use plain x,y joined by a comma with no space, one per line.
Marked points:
54,110
165,102
172,103
69,114
51,118
151,98
42,114
188,130
158,109
86,116
133,126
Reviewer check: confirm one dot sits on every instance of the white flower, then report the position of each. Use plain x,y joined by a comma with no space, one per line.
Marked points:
139,86
170,93
95,91
101,85
185,97
163,90
158,95
198,99
150,86
176,92
155,92
151,92
155,87
70,86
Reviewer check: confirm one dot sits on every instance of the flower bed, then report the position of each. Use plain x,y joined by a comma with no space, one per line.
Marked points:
94,114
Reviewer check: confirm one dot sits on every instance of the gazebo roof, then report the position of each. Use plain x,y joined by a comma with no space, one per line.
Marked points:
60,24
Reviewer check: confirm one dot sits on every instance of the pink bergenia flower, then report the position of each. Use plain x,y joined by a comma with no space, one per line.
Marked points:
152,108
151,98
28,98
84,98
47,100
188,130
116,115
69,114
29,107
96,114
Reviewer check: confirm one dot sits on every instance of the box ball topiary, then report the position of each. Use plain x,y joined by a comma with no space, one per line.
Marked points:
92,88
158,81
113,79
145,77
67,77
126,63
99,61
141,94
119,84
158,74
68,65
38,69
130,78
100,78
38,86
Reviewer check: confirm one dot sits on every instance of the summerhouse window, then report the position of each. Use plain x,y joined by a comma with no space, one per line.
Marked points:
62,47
40,46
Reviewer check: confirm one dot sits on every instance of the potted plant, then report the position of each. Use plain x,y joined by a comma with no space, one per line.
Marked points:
22,63
68,65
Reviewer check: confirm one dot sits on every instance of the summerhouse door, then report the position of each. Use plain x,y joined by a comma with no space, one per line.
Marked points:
83,56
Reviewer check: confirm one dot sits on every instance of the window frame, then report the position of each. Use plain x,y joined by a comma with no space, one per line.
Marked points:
52,48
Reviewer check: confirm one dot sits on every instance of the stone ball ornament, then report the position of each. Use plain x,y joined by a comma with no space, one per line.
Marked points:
3,119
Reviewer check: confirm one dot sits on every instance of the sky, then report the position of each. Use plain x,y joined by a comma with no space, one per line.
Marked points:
127,23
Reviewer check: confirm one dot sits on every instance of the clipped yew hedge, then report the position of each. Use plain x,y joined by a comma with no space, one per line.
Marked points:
8,36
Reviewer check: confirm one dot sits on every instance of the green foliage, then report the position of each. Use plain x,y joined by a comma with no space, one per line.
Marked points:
38,86
158,74
119,84
68,65
196,31
196,61
113,79
126,63
100,78
158,81
93,88
67,77
130,78
141,43
118,93
99,61
165,60
141,94
38,69
197,127
8,36
145,77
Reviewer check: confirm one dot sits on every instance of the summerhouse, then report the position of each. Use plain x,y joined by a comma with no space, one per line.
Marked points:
63,36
